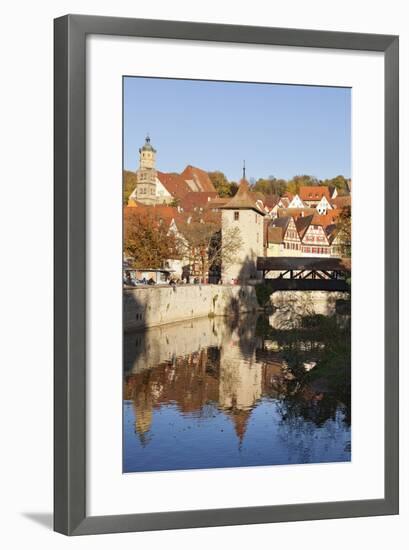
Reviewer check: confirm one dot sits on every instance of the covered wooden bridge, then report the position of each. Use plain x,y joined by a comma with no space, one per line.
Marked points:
299,273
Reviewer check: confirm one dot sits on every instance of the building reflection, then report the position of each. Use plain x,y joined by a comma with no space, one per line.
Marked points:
229,369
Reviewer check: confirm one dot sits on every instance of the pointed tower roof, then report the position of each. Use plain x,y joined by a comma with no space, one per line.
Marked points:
240,419
243,199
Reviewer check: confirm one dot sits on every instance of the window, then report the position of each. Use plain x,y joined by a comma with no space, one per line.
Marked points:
236,216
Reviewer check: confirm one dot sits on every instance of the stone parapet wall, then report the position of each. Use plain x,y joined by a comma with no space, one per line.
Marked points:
149,307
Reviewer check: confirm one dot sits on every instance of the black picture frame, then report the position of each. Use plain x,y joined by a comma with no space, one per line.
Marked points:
70,353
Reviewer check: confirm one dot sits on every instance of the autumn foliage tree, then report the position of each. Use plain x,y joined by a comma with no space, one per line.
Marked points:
147,239
223,186
129,183
339,182
201,244
270,186
294,184
344,232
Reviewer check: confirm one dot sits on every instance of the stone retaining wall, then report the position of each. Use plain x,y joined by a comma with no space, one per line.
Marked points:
149,307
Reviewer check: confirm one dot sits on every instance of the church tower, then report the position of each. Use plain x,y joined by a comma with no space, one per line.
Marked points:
242,218
146,174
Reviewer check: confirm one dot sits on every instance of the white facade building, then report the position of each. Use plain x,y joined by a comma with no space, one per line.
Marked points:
241,216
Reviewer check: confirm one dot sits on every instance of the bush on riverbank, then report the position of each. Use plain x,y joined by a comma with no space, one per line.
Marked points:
263,293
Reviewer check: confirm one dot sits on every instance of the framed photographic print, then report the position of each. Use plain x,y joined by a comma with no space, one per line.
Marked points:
226,301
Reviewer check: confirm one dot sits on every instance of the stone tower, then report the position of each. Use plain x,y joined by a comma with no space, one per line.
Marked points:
146,174
241,216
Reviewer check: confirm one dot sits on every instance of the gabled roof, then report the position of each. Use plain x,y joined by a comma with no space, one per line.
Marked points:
326,219
295,212
288,196
331,232
271,200
299,198
174,184
275,235
243,199
200,199
276,230
281,222
285,201
197,179
302,224
341,201
314,192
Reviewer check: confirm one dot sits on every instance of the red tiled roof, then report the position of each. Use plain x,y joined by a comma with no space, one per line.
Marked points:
197,179
133,203
197,200
295,212
157,213
341,201
174,184
162,214
314,192
271,200
326,219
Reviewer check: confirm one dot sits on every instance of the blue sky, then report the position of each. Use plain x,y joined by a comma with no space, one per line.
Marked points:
279,130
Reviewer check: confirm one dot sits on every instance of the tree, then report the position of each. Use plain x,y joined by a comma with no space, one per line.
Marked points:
129,184
293,186
201,243
233,188
147,239
222,185
175,201
340,182
270,186
344,232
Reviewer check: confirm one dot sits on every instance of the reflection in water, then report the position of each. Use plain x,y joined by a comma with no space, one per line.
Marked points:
237,392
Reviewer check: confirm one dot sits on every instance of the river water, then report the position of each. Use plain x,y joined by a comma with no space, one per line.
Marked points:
244,391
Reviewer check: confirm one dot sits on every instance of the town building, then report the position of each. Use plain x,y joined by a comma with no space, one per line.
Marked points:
243,218
314,240
156,187
311,235
323,206
145,190
311,195
296,202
